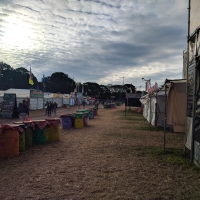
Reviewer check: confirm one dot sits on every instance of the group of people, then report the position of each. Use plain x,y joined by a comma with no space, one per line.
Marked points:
50,108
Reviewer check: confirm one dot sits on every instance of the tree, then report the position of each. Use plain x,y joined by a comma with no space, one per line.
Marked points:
15,78
104,92
92,89
59,82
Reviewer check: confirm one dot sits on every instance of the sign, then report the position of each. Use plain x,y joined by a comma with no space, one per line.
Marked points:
55,95
73,94
9,106
36,94
79,95
190,91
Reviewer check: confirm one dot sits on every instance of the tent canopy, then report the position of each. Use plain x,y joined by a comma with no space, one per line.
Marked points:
21,93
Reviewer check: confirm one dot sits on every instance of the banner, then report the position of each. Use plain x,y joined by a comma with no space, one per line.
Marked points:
36,94
148,85
154,88
82,88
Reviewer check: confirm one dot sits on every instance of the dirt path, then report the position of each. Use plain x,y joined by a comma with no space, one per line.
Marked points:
40,114
105,160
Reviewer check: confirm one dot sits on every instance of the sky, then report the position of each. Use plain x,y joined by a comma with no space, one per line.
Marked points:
102,41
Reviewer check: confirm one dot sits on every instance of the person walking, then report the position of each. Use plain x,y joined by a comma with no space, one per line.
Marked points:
46,110
52,107
49,109
97,103
24,110
55,107
83,102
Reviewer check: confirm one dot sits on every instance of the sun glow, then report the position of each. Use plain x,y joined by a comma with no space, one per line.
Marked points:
17,33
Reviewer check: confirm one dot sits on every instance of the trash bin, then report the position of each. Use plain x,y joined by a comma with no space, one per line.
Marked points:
39,132
53,130
29,126
95,111
9,141
22,141
86,116
112,105
78,120
91,113
67,121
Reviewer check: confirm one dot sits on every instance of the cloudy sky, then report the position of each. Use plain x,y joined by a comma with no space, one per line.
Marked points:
96,40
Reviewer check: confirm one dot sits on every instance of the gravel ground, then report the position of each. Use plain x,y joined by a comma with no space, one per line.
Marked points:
112,158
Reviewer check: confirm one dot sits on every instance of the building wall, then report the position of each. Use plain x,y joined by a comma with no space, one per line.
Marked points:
194,15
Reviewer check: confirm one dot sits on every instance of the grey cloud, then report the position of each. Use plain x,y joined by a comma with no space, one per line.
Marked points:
88,39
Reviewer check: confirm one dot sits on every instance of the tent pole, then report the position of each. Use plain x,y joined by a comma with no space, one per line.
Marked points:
185,138
150,112
194,111
156,105
165,120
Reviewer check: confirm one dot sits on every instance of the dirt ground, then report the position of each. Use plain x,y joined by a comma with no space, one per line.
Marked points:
115,157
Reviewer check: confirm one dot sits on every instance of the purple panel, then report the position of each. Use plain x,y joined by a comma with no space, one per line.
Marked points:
66,122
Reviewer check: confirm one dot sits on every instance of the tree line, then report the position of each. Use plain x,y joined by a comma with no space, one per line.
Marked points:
59,82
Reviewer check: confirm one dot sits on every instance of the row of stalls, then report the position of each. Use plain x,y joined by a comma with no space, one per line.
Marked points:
166,106
191,70
37,99
177,103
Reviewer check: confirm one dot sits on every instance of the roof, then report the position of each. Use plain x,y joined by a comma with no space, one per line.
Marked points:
168,82
19,92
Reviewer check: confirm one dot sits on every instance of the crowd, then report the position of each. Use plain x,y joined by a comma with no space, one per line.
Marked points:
50,108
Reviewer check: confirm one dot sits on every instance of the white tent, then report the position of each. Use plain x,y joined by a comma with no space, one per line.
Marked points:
58,98
149,109
157,106
21,94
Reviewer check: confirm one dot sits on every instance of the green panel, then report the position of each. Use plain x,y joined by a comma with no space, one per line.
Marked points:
28,138
22,141
39,136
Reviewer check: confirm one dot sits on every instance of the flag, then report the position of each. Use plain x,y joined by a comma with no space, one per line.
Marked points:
44,80
31,78
72,81
148,85
82,88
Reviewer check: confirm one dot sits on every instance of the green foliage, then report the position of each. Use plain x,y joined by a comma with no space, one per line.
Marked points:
15,78
59,82
92,89
173,157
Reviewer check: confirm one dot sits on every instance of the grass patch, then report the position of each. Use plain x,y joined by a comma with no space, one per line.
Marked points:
149,128
133,118
131,113
171,157
122,135
142,127
145,127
